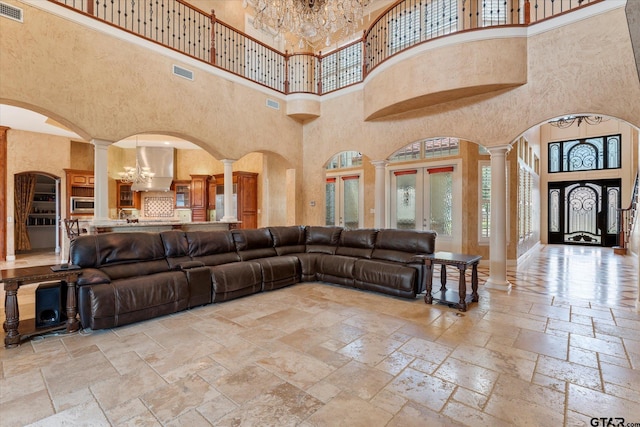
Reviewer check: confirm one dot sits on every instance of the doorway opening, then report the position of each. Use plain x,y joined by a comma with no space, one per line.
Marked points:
37,213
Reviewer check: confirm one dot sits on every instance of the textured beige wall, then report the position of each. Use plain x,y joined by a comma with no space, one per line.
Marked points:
572,76
105,74
91,83
32,152
438,75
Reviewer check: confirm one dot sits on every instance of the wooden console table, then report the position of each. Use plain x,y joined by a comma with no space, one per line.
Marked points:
13,278
458,299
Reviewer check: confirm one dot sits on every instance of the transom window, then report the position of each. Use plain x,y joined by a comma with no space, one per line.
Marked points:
585,154
346,159
427,149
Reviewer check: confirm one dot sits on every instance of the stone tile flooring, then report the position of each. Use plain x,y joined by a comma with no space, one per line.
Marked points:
562,347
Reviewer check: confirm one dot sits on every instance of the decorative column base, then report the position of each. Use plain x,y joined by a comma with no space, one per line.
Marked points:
498,285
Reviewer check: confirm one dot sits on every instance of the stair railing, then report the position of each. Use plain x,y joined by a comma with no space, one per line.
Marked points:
627,219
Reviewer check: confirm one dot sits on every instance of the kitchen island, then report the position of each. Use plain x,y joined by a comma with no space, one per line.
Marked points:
157,225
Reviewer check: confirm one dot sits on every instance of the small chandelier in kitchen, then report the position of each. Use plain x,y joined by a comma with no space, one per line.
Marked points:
136,174
308,20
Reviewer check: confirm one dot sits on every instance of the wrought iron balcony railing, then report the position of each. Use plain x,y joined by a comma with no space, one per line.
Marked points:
407,23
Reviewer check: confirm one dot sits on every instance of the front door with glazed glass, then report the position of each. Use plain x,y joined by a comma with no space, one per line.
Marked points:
584,212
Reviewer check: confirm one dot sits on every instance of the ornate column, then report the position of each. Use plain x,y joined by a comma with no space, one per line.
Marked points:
228,191
379,219
101,178
498,240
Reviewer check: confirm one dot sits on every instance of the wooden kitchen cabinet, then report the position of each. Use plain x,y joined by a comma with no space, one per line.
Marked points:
182,194
246,192
199,197
80,183
127,198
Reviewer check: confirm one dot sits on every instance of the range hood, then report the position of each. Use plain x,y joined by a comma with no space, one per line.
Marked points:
160,161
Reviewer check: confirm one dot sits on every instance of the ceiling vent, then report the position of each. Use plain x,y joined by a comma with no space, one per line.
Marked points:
272,103
183,72
11,12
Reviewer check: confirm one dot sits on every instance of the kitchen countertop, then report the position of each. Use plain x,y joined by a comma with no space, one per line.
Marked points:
106,226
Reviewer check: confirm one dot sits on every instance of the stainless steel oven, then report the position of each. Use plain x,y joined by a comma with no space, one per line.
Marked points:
82,205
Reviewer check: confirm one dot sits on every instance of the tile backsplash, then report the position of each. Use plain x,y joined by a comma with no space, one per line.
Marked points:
158,207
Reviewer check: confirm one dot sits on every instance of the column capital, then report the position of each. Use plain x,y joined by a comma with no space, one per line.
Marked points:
379,163
101,142
228,161
499,149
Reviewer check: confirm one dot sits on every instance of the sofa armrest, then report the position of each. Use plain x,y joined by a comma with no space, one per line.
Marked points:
93,276
190,264
200,286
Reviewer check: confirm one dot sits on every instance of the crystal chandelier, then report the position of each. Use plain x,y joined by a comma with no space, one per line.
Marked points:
567,121
137,174
308,20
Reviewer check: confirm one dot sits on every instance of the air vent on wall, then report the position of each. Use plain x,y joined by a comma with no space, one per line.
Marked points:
273,104
183,72
11,12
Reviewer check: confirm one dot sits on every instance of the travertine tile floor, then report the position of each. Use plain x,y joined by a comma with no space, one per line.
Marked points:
561,348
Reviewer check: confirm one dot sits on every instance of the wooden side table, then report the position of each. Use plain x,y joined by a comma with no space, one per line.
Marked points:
13,278
458,299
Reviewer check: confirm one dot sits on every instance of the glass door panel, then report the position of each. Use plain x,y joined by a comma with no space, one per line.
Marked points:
350,204
405,200
342,201
422,199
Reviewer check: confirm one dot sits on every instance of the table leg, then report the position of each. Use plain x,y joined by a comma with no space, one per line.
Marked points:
474,283
443,278
428,278
72,321
12,318
462,289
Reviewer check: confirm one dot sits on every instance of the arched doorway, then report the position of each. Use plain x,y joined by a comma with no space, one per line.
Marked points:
37,212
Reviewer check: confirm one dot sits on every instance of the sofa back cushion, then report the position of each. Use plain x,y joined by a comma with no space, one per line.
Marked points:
357,243
288,239
176,248
120,255
212,247
322,239
253,243
401,245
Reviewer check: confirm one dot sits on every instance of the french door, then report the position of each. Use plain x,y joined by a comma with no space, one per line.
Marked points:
344,201
584,212
422,199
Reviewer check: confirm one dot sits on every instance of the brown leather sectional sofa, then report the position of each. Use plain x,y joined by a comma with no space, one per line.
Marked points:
129,277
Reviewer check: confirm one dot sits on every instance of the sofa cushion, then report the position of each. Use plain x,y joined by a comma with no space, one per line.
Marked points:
386,277
288,239
176,248
357,243
322,239
212,247
115,248
335,266
134,269
253,243
279,271
402,245
235,280
131,300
